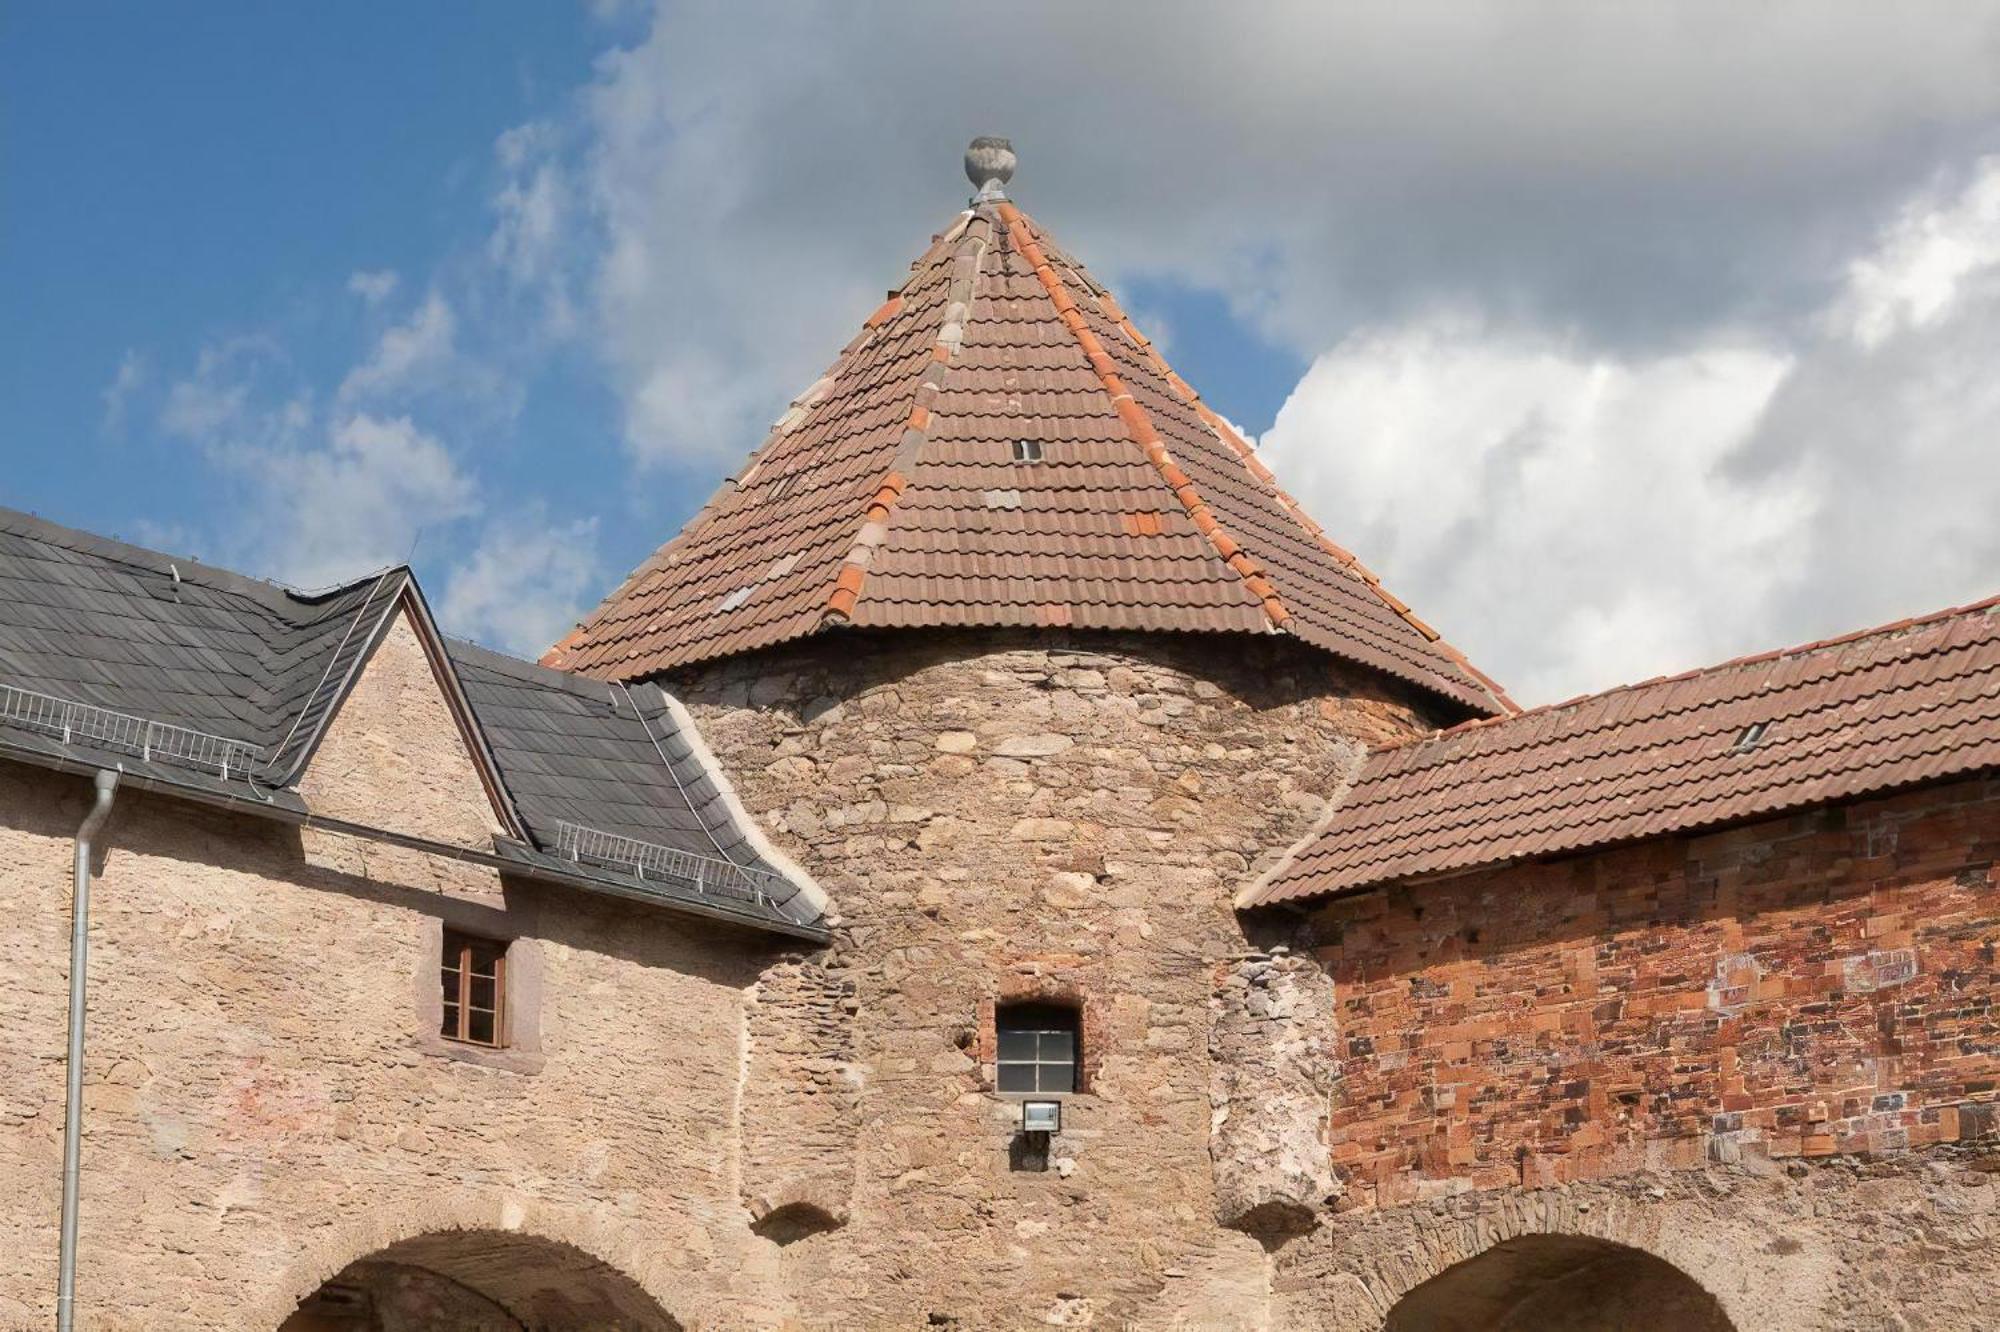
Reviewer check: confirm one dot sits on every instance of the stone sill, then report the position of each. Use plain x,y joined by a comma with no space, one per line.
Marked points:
507,1059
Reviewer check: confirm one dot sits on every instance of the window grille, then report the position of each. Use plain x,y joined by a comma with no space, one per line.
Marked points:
1038,1047
473,976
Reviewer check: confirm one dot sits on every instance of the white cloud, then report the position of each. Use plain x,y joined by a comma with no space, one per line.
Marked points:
314,497
1644,173
1940,241
374,286
1574,518
131,376
525,583
538,236
1565,517
421,345
359,501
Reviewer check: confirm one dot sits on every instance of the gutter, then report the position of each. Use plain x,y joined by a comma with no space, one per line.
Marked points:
106,784
577,878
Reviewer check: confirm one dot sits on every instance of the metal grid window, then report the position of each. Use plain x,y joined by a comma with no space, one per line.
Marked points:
1038,1047
473,975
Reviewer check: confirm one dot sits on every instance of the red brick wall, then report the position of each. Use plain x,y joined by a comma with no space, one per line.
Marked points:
1813,985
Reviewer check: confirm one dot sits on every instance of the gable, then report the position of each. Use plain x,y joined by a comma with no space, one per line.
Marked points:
394,755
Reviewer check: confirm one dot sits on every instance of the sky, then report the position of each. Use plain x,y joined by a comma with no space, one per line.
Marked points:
1617,339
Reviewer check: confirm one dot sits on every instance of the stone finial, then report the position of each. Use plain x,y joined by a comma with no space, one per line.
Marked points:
989,165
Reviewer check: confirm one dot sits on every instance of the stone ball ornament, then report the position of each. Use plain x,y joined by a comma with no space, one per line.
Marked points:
989,165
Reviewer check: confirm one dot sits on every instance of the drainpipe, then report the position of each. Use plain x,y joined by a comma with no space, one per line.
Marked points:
79,947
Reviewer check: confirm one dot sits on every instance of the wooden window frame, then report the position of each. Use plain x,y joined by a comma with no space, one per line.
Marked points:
458,953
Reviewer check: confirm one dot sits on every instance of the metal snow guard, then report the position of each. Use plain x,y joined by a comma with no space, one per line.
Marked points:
710,876
151,740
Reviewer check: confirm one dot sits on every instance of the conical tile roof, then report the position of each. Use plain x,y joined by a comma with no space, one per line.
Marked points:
999,446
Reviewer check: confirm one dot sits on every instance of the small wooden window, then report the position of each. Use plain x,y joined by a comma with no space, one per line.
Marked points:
1039,1047
1027,450
474,979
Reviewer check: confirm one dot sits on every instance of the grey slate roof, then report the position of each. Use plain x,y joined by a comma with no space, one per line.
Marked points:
151,642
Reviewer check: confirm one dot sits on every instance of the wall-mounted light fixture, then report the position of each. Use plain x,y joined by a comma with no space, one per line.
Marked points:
1042,1117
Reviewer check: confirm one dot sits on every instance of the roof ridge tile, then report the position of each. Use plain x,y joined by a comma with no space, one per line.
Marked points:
1138,424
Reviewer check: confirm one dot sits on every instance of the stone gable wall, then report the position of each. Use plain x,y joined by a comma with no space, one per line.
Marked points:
393,757
264,1105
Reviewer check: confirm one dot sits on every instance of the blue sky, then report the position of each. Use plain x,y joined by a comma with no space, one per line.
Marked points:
1611,354
178,177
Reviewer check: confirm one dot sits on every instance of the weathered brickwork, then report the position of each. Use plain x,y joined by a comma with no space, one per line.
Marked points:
996,817
1804,987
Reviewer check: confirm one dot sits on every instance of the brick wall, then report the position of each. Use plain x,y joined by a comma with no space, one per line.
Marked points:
1810,986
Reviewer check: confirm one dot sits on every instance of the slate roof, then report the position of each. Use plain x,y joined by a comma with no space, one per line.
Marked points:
598,755
1907,703
890,495
212,685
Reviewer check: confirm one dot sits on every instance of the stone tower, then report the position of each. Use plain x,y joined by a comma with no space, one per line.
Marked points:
1016,647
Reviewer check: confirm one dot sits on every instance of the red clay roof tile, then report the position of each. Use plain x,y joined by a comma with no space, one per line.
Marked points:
892,488
1910,702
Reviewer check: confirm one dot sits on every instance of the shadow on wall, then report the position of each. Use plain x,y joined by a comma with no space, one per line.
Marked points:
1559,1283
478,1281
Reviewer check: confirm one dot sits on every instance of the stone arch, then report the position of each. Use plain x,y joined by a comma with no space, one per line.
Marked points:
524,1261
481,1281
1744,1245
1559,1283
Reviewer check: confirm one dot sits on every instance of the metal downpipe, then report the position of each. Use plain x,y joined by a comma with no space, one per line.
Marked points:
79,950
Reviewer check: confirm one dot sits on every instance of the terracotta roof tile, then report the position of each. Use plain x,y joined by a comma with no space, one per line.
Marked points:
1911,702
896,488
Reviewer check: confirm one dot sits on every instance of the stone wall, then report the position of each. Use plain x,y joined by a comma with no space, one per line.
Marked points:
1011,816
264,1106
1837,1244
1765,1057
1810,986
267,1099
1272,1077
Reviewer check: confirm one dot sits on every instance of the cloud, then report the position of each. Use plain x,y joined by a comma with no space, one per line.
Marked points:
1940,241
420,346
525,583
538,237
374,287
314,496
1574,516
361,500
1639,174
131,376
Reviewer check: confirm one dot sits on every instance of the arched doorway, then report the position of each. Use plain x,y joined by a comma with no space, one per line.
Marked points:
479,1281
1559,1283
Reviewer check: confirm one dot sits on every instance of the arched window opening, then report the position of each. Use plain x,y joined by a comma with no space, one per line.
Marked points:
1040,1047
1559,1283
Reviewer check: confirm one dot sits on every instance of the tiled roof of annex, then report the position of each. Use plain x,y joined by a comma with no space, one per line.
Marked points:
1000,446
1886,708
